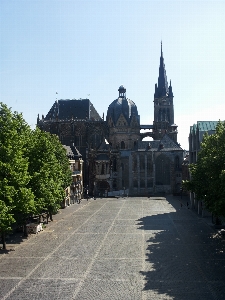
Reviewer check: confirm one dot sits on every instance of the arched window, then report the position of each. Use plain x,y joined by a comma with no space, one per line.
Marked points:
102,170
162,170
177,163
114,164
122,145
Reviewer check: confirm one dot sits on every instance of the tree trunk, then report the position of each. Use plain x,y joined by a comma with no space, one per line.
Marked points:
3,241
25,230
218,221
50,215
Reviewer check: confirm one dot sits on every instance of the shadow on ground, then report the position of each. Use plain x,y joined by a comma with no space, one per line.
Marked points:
185,259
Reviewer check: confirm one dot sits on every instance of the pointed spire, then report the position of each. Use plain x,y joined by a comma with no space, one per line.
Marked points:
170,90
162,79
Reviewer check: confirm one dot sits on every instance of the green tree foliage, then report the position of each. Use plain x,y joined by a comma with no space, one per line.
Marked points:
34,171
49,170
208,174
15,195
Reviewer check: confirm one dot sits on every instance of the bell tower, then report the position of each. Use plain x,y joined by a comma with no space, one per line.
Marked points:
163,106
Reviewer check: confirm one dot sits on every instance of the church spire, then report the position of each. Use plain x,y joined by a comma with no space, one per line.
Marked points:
161,50
162,89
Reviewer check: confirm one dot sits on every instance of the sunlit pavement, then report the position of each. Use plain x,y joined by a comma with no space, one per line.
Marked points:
126,248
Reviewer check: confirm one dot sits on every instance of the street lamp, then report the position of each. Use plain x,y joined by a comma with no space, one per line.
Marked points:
87,192
124,191
94,190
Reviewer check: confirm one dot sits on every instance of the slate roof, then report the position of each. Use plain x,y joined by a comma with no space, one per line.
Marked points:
123,106
104,145
76,109
72,152
165,144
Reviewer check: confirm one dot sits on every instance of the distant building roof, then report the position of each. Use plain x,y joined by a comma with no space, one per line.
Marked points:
207,125
72,152
165,144
203,126
73,109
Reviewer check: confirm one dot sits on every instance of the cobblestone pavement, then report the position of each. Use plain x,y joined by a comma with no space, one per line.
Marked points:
126,248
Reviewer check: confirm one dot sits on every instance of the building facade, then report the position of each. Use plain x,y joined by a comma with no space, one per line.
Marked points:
74,192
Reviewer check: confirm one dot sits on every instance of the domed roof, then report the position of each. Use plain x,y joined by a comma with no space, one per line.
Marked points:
122,105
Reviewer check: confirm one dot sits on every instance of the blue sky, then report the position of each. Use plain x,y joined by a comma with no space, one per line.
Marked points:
87,49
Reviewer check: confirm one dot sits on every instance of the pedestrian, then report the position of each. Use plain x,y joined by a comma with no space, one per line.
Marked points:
181,204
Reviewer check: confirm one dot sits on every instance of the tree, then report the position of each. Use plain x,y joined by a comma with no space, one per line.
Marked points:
16,197
49,170
208,174
6,220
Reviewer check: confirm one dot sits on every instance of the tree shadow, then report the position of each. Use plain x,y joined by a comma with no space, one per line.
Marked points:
13,240
182,256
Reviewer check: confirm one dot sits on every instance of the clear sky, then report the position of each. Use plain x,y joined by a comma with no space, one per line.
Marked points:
87,49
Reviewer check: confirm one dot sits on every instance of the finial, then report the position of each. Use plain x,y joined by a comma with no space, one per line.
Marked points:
161,48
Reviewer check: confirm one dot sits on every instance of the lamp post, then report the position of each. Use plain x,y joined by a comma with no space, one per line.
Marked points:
73,185
87,192
94,190
124,191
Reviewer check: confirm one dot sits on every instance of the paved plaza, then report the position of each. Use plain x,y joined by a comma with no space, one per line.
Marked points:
126,248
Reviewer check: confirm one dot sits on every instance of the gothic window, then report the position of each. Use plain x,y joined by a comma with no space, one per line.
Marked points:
162,171
122,145
164,115
160,115
114,164
114,184
149,164
97,169
102,170
150,183
135,163
135,183
177,164
142,162
168,115
142,183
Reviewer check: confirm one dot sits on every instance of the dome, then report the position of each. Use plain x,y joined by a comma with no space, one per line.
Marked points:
122,105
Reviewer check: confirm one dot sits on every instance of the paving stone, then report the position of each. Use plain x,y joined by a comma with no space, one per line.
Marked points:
116,269
62,267
109,290
7,284
18,266
80,246
37,289
122,246
126,248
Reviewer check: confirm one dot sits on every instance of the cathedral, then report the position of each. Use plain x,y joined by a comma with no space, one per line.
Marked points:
116,159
